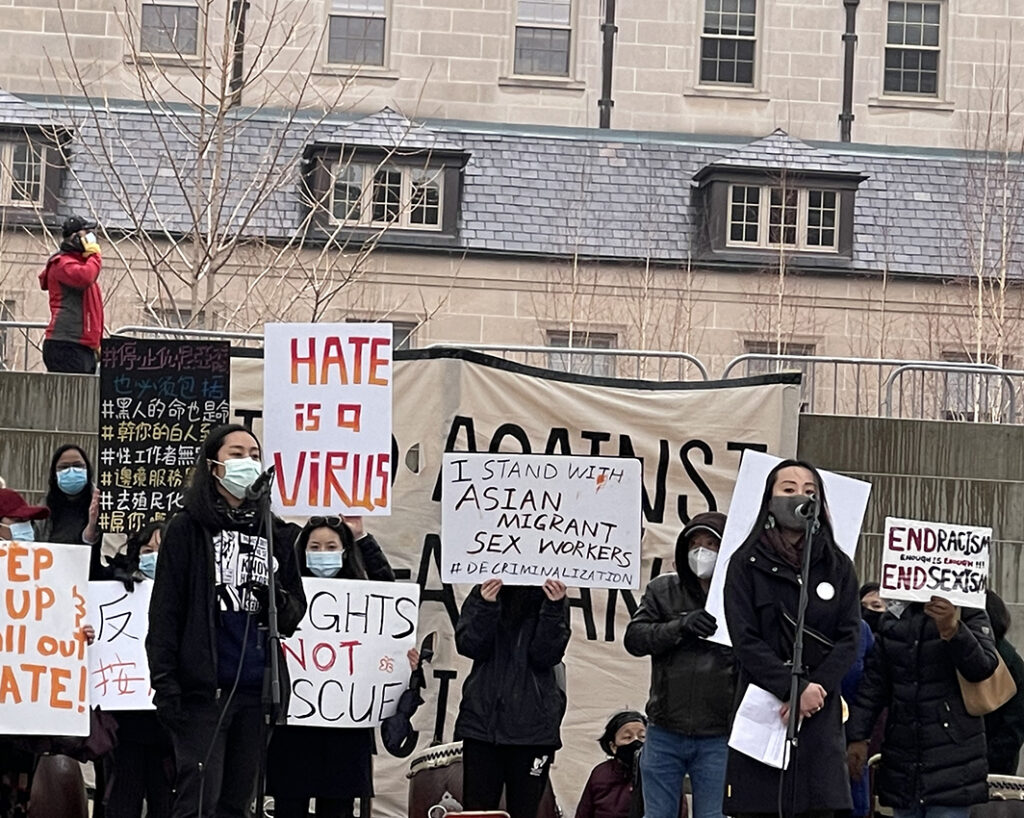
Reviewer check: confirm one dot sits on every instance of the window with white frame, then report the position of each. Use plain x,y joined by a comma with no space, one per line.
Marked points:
356,32
582,363
773,216
543,40
387,195
22,173
169,28
912,48
728,42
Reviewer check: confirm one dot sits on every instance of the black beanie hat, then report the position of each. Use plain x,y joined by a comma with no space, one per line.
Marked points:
615,723
867,588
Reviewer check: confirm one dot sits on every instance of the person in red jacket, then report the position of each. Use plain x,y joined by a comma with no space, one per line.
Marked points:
71,277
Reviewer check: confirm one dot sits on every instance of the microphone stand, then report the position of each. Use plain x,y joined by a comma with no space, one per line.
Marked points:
271,699
797,671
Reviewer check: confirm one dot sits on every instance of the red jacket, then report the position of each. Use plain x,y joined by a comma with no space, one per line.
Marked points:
76,303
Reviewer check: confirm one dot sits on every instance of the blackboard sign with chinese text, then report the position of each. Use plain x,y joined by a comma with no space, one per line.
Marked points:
158,401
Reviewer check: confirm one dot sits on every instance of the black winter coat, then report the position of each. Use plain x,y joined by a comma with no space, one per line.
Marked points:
693,681
515,693
933,753
182,639
761,598
1004,729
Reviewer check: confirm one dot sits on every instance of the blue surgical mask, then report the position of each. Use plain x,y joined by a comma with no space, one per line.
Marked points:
239,474
22,532
147,564
325,563
72,480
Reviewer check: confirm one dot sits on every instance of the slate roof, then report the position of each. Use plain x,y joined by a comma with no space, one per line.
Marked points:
390,130
780,152
542,192
15,111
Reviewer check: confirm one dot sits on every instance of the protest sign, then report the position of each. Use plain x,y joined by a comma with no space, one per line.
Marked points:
158,401
847,501
43,669
347,660
524,519
327,417
118,667
921,560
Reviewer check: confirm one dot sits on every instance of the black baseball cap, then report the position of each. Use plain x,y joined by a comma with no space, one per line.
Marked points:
73,224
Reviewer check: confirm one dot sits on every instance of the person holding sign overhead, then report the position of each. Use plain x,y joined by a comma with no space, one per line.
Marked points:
514,698
934,754
762,590
207,642
332,765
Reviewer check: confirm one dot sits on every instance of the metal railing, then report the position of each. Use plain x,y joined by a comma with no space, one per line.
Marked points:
643,364
23,332
974,392
179,332
864,386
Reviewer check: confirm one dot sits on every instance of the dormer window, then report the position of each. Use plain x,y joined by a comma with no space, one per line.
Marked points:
22,172
770,216
387,196
777,194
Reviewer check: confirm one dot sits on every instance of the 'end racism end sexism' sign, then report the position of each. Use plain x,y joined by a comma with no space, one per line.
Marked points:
921,560
43,669
327,417
525,519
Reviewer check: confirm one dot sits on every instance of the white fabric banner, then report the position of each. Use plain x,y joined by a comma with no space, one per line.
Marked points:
327,417
43,668
118,667
347,660
689,438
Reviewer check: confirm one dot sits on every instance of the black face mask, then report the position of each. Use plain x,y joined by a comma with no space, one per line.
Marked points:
872,618
627,752
783,508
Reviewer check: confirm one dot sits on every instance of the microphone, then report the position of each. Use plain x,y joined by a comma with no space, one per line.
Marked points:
808,509
261,485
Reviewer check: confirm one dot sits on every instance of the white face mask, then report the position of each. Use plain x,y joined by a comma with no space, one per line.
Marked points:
702,562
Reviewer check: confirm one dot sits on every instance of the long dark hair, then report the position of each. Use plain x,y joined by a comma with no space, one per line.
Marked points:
825,519
353,566
998,614
56,500
201,497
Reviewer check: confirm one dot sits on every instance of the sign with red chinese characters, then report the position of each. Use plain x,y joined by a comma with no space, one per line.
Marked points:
118,668
347,660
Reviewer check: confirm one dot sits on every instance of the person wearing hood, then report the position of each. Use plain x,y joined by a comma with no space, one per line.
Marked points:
335,766
762,592
71,277
609,790
692,679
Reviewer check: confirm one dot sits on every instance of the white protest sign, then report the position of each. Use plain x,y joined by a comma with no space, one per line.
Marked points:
118,667
43,669
347,660
921,560
327,417
847,501
528,518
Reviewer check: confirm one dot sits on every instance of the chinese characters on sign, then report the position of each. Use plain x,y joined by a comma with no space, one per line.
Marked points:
118,668
158,401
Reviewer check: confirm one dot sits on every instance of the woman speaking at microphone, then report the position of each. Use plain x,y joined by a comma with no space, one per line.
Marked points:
207,641
762,591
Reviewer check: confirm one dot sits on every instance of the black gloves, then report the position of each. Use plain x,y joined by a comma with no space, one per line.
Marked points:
698,623
261,593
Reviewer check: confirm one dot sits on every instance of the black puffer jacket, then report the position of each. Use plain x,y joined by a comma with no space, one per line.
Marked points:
515,693
933,753
693,681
